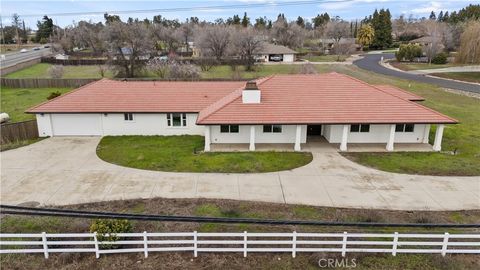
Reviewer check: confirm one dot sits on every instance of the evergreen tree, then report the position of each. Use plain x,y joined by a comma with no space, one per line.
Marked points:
355,31
245,20
45,29
382,25
432,16
440,16
320,20
300,22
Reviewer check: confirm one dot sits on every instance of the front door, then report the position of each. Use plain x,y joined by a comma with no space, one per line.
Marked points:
314,130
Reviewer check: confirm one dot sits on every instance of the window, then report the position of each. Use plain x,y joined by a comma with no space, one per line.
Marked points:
272,128
404,127
177,119
228,128
360,128
128,116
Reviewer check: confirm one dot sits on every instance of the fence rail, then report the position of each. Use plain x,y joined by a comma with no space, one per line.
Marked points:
393,243
43,83
18,131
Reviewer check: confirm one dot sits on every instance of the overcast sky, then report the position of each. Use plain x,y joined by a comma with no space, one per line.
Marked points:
347,9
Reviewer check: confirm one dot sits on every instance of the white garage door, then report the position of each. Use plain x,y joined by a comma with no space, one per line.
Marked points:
77,124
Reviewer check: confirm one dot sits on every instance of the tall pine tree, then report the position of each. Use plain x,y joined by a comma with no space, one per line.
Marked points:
382,24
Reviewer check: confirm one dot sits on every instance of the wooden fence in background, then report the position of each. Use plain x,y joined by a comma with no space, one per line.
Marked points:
18,131
43,83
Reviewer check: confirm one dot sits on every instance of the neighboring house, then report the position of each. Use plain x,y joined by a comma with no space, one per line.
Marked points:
61,56
275,53
278,109
327,44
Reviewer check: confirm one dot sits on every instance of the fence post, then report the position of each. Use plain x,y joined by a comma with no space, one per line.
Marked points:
195,252
445,243
294,244
97,253
145,244
45,246
245,244
395,244
344,244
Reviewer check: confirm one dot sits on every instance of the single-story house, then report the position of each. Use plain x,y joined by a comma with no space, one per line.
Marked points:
283,109
275,53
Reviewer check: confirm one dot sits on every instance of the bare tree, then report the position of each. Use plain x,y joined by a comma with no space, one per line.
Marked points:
87,35
169,37
433,31
56,71
336,30
183,71
288,34
128,44
158,66
308,68
247,43
469,51
213,40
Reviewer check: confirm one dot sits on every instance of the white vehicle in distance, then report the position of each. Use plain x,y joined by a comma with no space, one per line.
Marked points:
23,50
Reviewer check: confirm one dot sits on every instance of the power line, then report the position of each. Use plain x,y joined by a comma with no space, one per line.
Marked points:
30,211
198,8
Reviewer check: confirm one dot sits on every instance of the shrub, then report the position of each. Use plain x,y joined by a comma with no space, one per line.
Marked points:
440,58
56,71
54,95
308,68
408,52
107,230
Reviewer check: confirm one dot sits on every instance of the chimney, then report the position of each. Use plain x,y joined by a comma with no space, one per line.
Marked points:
251,93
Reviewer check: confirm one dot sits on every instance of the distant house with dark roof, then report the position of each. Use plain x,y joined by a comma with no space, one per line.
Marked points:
275,53
284,109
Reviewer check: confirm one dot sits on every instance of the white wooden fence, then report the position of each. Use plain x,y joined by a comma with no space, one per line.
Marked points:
245,243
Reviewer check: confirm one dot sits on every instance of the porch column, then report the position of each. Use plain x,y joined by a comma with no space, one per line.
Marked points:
298,136
391,138
252,138
426,133
207,139
343,145
437,145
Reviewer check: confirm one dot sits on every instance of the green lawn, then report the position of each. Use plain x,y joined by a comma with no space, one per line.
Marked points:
70,72
178,154
16,100
461,76
325,58
418,66
226,72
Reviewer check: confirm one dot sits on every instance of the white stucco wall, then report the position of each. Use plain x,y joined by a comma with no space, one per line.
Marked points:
377,134
113,124
243,136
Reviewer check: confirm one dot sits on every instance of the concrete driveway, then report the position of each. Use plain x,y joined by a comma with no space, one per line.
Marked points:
61,171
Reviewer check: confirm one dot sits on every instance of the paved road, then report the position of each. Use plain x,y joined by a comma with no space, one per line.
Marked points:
370,62
66,170
18,57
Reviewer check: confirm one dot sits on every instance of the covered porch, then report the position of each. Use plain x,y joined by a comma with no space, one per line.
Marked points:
345,138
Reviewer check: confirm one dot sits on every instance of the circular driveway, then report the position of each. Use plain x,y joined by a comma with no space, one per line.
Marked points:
66,170
371,62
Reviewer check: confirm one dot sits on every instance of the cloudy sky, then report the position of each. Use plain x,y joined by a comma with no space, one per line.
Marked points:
31,11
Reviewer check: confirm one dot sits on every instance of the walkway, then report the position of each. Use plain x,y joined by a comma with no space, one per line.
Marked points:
371,62
448,69
61,171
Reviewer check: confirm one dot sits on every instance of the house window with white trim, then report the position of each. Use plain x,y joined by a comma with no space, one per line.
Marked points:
229,128
128,116
404,127
360,128
272,128
177,119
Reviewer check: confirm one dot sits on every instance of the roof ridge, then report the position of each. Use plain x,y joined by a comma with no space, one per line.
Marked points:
227,100
66,94
409,101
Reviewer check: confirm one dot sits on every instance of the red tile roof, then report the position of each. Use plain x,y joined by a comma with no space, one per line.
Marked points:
399,92
147,96
330,98
285,99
